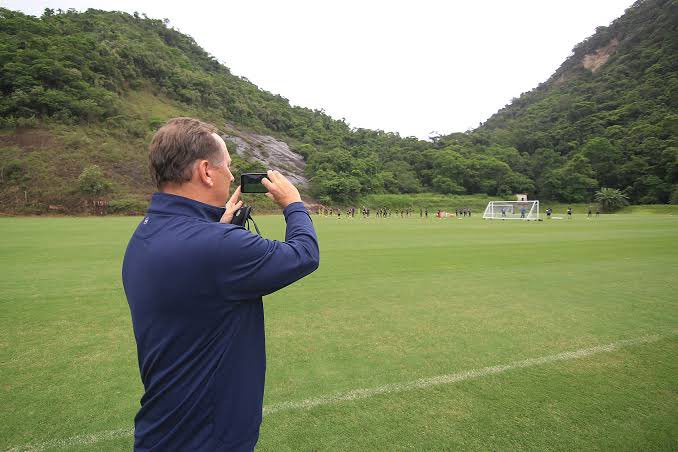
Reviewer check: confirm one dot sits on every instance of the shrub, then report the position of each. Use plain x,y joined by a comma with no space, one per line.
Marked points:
92,182
127,206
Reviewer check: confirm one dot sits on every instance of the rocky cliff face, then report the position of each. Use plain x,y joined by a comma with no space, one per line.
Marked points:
273,153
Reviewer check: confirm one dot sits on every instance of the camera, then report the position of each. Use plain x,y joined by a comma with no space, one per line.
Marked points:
251,183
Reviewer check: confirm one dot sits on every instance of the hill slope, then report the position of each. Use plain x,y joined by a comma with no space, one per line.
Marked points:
90,88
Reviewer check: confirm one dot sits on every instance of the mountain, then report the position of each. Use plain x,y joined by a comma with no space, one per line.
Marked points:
83,89
82,93
608,116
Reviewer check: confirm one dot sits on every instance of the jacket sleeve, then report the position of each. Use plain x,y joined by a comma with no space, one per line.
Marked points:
249,266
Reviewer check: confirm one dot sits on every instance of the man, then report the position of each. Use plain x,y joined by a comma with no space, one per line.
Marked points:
194,284
569,213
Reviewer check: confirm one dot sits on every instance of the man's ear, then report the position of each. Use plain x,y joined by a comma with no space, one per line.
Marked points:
204,173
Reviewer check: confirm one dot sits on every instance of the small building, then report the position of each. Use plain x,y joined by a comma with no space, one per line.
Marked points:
521,197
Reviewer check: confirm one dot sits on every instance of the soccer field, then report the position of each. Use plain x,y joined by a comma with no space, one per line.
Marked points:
413,334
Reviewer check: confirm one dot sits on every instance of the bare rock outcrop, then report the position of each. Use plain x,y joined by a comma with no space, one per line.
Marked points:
273,153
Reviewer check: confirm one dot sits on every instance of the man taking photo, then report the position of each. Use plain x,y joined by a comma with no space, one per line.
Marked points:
194,284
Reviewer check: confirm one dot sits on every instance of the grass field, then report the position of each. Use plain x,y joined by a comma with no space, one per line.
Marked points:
353,349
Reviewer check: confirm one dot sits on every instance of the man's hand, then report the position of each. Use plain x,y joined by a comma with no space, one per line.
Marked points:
232,205
280,189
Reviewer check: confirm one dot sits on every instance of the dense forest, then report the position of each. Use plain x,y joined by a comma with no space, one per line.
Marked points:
94,86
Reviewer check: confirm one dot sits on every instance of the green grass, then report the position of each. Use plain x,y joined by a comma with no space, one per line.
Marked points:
394,300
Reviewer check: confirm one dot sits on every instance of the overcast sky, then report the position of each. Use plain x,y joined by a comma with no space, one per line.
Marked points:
413,67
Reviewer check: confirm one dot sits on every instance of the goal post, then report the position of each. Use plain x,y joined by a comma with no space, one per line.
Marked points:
512,210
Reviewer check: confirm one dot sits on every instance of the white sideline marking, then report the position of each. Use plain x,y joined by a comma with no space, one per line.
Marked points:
80,440
357,394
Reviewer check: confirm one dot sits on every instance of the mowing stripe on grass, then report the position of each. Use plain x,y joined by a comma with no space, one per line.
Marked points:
357,394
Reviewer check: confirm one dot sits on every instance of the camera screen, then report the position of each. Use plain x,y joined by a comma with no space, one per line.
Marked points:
251,183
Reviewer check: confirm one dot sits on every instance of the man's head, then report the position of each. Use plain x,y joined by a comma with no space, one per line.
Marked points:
188,158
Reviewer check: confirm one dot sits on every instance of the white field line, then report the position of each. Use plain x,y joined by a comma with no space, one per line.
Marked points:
357,394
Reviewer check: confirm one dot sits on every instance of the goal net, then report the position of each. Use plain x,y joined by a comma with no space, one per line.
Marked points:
512,210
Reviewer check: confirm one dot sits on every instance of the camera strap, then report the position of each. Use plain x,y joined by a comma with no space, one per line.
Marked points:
254,223
243,216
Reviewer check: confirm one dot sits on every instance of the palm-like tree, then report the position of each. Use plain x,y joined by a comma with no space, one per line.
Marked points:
611,199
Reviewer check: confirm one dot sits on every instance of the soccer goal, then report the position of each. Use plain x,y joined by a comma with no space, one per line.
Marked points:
512,210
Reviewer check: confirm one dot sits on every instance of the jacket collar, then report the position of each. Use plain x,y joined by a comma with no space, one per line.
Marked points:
167,204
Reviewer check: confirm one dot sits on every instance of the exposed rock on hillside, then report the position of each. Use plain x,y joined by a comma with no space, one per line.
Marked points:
273,153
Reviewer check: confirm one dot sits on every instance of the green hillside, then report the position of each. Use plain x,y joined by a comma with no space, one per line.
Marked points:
607,117
90,88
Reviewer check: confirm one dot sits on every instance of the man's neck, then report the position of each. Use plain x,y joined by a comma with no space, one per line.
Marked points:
188,191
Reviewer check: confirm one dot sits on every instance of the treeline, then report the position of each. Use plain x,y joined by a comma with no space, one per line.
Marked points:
580,131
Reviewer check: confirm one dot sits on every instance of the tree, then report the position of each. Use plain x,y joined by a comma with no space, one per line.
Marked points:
93,183
611,199
573,182
404,176
604,158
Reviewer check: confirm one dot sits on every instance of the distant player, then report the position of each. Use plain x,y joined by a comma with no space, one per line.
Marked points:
548,213
569,213
597,212
426,212
522,212
590,214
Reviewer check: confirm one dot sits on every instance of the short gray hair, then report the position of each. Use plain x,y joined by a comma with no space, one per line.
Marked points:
176,145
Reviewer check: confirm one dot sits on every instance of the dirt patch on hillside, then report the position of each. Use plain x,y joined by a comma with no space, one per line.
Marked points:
28,139
594,61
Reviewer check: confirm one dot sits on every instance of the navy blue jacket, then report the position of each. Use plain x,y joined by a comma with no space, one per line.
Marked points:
194,288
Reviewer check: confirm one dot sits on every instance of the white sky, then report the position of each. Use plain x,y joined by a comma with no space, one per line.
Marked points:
413,67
